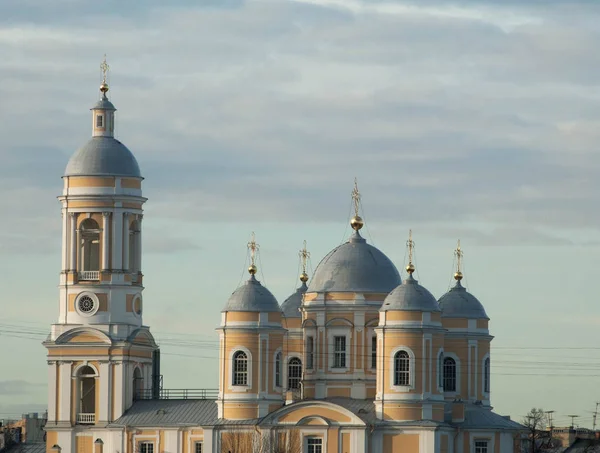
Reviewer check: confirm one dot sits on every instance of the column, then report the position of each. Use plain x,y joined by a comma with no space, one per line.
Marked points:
65,240
105,399
125,241
118,390
64,406
52,391
117,240
105,244
73,238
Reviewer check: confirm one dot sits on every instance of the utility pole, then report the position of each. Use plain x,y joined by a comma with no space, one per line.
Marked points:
595,414
573,417
549,414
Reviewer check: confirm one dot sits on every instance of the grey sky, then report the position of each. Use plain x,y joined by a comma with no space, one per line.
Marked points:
470,119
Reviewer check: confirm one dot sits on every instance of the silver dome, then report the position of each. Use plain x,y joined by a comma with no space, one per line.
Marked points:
458,303
291,306
252,296
103,156
410,296
355,267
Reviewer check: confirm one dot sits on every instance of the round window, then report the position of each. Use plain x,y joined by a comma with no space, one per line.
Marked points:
86,304
137,306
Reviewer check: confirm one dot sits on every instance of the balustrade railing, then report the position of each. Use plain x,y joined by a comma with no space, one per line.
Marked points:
88,275
86,419
179,394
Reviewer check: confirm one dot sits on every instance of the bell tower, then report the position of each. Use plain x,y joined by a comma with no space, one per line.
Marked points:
99,352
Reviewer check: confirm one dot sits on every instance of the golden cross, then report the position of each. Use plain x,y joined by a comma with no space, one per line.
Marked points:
253,246
104,67
459,254
356,197
304,256
411,245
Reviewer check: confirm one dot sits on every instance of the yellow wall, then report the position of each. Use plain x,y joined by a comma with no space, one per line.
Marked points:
85,444
401,443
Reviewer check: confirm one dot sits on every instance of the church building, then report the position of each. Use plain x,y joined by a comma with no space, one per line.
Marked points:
354,361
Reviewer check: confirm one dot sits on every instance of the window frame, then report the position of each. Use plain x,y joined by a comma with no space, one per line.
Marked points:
277,368
338,331
486,373
200,444
484,446
449,364
145,443
411,369
310,352
309,444
288,376
237,387
340,355
373,351
100,123
458,374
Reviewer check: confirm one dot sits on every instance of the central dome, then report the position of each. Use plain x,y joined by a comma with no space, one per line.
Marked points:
355,267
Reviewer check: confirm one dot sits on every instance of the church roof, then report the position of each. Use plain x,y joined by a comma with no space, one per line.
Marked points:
355,266
169,413
458,303
479,417
410,296
291,306
103,156
252,296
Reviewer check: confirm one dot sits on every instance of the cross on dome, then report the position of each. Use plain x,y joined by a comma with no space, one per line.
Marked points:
253,247
356,222
304,256
458,275
104,67
410,244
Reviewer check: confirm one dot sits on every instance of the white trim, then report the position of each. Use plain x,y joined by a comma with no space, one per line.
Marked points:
411,369
94,298
75,372
488,436
230,364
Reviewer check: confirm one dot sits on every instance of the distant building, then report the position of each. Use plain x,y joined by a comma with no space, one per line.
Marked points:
354,361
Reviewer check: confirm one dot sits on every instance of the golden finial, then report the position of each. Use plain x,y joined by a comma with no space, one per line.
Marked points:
304,256
253,246
410,268
104,67
356,222
458,275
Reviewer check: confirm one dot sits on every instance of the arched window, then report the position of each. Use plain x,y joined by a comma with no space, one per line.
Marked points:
240,368
486,375
138,384
449,374
294,373
89,246
278,370
86,377
401,368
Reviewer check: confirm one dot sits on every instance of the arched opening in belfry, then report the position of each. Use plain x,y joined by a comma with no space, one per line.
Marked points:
134,247
89,246
138,384
86,380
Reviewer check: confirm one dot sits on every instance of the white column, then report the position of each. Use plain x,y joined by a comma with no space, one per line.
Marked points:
105,399
73,239
117,240
118,390
208,440
65,241
125,241
64,405
52,391
105,244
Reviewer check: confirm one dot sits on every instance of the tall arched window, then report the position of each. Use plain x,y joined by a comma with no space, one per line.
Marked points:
86,380
294,373
401,368
486,375
89,246
449,374
138,384
240,368
278,370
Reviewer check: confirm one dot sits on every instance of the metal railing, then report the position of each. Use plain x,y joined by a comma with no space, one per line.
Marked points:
89,275
179,394
86,419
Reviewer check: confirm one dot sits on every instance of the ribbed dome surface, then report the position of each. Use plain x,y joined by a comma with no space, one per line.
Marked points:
355,267
458,303
252,296
103,156
410,296
291,305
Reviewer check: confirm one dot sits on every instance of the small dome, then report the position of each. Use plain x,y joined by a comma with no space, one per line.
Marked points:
103,104
291,306
103,156
410,296
355,267
458,303
252,296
